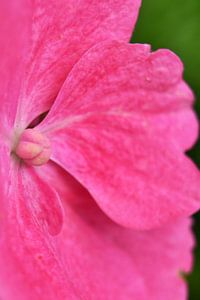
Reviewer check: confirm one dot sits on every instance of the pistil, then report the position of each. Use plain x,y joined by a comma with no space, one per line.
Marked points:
33,147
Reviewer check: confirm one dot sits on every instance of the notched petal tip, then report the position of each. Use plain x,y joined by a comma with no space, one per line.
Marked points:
165,68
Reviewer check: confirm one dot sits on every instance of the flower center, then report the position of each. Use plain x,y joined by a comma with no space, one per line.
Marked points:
33,147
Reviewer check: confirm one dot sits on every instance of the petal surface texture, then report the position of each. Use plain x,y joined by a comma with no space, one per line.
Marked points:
117,127
13,48
72,265
62,31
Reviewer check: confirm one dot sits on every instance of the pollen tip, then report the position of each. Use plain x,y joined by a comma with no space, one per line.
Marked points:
33,147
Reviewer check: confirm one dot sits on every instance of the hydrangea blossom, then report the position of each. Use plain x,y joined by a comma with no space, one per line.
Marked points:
95,186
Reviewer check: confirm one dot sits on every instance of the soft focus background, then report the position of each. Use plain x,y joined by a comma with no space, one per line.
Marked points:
176,25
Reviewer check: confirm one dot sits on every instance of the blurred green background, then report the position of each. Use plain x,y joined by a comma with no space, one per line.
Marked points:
175,24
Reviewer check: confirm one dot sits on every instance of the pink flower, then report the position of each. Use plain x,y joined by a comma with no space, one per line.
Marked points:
104,121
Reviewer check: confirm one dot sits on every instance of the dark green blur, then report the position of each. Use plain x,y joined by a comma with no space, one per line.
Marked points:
175,24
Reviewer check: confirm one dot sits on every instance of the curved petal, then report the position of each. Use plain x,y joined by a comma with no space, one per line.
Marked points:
13,46
29,258
46,207
136,81
92,258
181,126
62,31
107,129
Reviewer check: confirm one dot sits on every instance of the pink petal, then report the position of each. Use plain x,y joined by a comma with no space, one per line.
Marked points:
29,258
45,205
107,128
181,126
13,45
92,258
62,31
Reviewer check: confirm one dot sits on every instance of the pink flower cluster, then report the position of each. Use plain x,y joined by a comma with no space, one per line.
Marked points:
95,187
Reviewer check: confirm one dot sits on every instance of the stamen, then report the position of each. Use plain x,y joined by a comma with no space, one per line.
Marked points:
33,147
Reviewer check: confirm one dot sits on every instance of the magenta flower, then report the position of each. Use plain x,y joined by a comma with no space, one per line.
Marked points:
93,135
